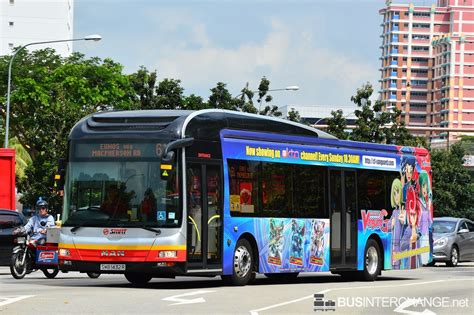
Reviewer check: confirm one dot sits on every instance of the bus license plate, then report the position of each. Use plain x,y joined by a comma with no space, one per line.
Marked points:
112,267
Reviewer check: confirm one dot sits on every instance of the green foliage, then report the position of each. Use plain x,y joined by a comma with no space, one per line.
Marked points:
453,188
48,95
337,125
373,123
221,97
294,115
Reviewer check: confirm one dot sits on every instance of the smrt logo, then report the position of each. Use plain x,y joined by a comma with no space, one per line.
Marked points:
114,232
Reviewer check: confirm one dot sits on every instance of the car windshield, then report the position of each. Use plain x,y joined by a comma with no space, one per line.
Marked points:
443,226
120,190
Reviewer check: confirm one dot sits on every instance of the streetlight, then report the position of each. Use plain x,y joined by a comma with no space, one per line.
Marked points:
288,88
317,121
94,38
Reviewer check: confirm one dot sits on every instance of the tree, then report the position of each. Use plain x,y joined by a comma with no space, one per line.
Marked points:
337,125
49,94
143,84
294,115
221,98
373,123
453,188
169,94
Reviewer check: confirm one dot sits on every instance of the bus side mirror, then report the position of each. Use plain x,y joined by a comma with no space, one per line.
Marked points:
168,157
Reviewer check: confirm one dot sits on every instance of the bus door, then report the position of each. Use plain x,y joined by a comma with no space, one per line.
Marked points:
204,210
343,216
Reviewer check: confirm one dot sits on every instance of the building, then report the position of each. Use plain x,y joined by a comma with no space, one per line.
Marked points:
27,21
427,67
311,114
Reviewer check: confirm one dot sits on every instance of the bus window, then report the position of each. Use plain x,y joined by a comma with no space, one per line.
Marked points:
243,187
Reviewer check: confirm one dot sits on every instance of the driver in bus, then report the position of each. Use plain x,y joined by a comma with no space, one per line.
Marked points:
113,204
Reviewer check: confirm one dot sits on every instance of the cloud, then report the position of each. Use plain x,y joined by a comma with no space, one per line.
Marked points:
286,56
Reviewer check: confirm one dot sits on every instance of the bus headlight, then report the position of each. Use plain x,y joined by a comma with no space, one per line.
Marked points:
441,242
64,252
168,254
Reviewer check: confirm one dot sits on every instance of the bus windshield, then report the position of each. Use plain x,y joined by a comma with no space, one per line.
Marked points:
120,192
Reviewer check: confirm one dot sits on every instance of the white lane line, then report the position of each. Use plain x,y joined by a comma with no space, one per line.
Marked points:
4,300
180,300
255,312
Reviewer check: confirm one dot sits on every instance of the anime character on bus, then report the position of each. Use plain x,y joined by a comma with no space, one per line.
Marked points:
297,237
275,242
398,220
317,243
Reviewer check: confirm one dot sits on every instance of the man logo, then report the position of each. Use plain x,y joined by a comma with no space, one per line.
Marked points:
112,253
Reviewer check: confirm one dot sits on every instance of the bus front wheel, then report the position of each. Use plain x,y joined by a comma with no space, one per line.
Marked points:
243,263
138,278
372,261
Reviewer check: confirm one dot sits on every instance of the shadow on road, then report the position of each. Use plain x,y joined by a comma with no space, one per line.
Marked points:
202,283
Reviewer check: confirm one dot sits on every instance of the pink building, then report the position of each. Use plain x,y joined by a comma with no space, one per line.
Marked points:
428,65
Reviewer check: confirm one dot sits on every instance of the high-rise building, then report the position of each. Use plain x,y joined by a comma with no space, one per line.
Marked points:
27,21
428,65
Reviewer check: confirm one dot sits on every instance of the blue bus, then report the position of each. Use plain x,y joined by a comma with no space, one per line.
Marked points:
164,193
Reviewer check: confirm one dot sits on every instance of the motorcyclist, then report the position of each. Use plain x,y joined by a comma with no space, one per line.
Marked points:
37,225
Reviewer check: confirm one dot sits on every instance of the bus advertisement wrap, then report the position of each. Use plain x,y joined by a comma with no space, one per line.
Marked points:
289,244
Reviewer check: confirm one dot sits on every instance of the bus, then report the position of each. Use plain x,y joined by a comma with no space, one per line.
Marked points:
166,193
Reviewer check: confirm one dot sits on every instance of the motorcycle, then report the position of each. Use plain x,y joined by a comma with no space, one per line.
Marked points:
28,257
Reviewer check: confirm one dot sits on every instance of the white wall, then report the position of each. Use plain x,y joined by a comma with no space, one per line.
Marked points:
36,20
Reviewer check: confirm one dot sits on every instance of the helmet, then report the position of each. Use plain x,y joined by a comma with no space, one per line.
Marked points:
41,203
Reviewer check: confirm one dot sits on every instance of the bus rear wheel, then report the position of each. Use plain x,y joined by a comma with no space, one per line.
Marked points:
372,261
138,278
243,263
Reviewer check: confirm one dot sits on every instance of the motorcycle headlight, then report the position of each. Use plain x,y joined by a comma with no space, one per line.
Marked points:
441,242
64,252
20,240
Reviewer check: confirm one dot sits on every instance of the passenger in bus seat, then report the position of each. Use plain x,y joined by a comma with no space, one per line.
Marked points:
148,206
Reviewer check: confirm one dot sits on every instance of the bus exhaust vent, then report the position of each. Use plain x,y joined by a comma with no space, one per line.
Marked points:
130,123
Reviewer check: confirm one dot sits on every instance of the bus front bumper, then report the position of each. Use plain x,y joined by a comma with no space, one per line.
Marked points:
160,269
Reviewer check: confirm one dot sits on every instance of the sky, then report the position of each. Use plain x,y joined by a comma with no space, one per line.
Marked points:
328,48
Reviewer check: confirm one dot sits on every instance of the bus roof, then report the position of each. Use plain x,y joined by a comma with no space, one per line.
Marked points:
201,124
204,124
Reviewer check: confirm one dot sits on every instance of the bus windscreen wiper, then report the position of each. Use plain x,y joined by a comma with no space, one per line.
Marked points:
78,226
149,228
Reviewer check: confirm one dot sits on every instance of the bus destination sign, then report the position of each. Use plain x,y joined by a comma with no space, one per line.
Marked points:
119,150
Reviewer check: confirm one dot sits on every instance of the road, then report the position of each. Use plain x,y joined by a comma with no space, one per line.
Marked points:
429,290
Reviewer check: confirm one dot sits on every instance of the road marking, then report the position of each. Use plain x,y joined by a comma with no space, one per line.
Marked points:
4,300
177,298
255,312
408,303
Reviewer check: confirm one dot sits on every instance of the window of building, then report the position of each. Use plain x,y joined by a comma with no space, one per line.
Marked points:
11,23
420,48
421,25
421,71
10,45
420,37
424,60
12,2
421,14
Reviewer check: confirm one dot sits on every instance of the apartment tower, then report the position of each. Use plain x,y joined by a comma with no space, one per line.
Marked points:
28,21
428,66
